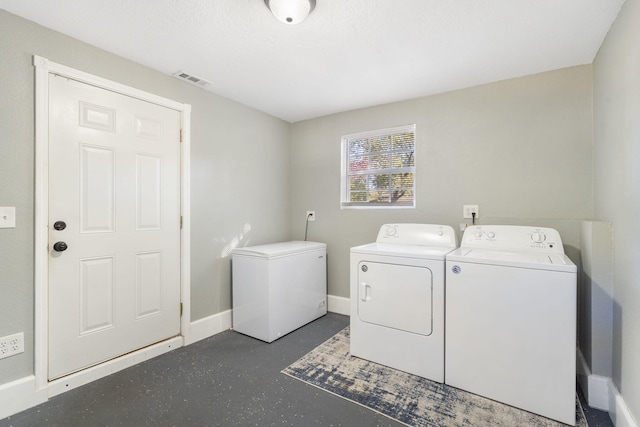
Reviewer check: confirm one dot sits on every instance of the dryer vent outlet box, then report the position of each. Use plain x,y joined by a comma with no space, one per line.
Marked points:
278,288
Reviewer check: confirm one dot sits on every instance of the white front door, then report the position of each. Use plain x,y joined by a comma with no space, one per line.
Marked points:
114,181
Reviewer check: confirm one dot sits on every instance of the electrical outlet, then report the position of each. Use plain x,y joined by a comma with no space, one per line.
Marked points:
322,303
467,210
7,217
311,215
11,345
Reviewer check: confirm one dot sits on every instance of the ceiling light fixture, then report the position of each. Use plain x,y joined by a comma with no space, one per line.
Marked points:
290,11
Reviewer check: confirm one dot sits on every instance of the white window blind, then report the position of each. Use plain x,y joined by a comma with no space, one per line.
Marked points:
378,168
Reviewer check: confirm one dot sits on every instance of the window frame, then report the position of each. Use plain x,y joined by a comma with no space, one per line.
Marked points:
344,175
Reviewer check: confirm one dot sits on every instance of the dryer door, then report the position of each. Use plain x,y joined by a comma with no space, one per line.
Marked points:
396,296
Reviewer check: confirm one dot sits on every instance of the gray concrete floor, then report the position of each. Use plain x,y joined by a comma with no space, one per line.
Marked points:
226,380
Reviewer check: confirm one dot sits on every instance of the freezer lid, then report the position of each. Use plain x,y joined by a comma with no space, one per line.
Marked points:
522,259
275,250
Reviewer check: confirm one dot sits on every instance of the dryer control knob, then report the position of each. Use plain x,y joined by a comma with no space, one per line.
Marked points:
538,237
478,234
491,234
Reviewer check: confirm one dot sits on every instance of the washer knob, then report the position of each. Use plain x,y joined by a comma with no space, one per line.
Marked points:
491,234
478,234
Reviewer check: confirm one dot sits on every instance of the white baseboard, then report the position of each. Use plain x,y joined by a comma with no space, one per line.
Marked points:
107,368
18,395
618,410
594,387
599,397
198,330
208,326
338,305
601,393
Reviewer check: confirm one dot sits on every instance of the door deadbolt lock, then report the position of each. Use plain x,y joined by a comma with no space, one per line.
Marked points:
364,268
60,246
60,225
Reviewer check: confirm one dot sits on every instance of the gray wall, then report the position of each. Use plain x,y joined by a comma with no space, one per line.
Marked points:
616,88
523,149
520,149
239,173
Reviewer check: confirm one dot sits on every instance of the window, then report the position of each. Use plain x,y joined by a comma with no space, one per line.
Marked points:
378,168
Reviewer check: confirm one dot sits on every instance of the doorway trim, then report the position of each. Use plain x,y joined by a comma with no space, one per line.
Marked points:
44,67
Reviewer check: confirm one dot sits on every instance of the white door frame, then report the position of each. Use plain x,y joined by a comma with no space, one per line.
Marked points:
44,67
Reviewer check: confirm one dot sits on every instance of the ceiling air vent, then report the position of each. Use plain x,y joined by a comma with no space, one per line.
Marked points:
192,79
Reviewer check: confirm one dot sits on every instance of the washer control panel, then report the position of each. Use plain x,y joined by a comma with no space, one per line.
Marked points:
512,237
417,234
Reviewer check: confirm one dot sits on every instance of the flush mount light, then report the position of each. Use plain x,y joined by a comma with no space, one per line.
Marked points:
290,11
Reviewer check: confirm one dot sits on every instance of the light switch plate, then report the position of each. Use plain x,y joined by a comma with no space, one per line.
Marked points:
8,217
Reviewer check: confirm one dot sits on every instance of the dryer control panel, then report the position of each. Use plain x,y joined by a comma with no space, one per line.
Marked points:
513,237
417,234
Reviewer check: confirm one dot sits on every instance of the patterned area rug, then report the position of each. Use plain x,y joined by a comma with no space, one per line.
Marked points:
406,398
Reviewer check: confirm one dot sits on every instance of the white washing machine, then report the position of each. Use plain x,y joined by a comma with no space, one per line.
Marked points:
397,298
511,319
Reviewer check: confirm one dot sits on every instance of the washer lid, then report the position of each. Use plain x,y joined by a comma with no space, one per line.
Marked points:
281,249
404,251
522,259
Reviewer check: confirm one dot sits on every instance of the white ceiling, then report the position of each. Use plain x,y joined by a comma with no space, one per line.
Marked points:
348,54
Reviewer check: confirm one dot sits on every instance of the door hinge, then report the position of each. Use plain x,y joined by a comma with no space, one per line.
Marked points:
180,135
180,222
180,309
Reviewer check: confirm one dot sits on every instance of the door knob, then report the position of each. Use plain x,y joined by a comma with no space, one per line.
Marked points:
59,225
60,246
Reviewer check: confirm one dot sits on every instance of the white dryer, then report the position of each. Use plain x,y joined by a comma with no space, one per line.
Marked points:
511,319
397,298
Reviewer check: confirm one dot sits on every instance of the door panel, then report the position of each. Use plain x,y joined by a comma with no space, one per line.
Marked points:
97,188
148,280
97,291
396,296
148,192
114,178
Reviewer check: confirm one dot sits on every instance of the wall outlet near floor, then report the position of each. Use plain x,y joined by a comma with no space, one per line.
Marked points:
311,215
468,210
11,345
322,303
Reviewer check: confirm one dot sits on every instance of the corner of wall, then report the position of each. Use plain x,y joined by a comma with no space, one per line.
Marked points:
594,387
601,393
596,322
208,326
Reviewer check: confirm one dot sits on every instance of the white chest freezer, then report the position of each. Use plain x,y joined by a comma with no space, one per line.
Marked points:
278,288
